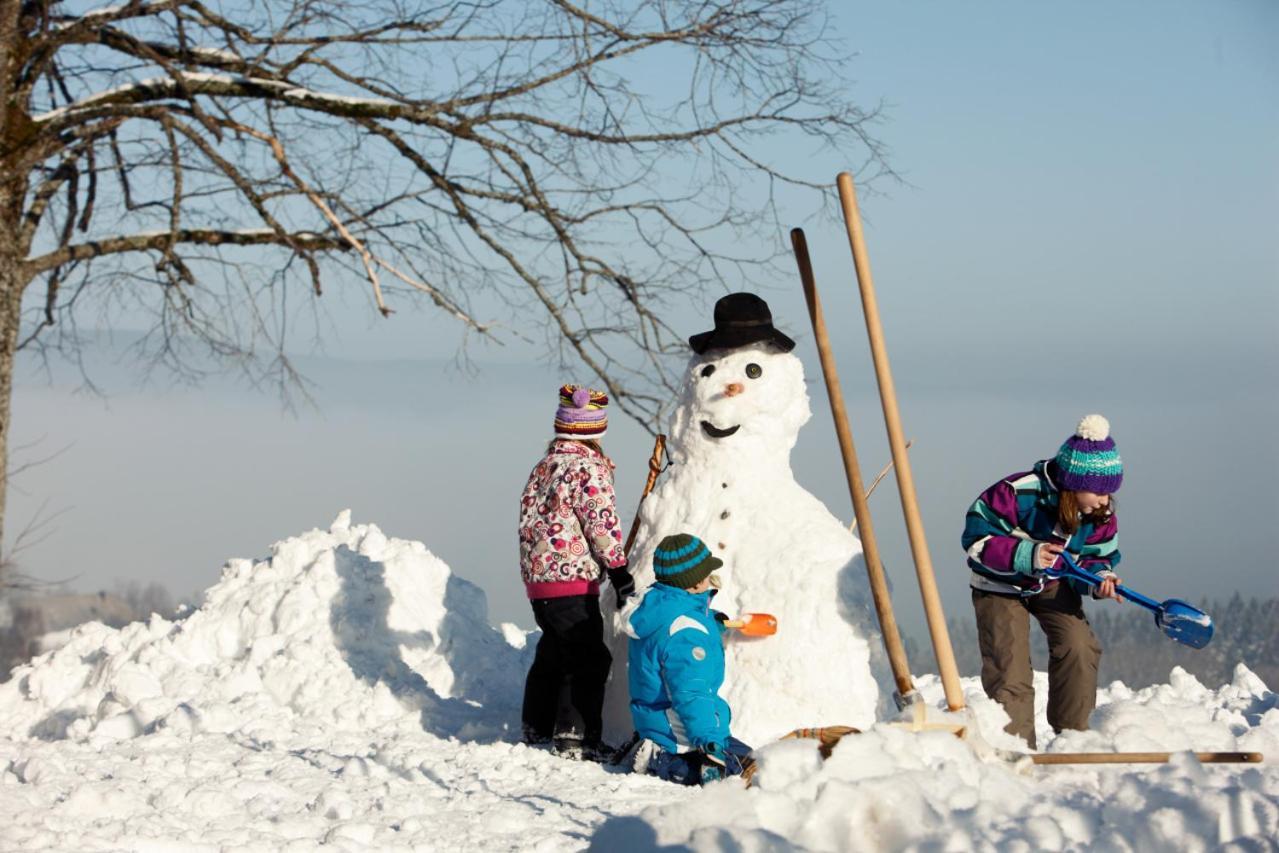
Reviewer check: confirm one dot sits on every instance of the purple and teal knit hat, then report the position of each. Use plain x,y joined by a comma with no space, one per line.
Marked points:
1089,460
683,561
582,413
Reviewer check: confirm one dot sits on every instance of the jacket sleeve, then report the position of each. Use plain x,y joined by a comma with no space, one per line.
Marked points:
596,509
1100,552
991,533
688,670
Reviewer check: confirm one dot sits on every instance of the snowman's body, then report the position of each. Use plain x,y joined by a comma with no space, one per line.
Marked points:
730,484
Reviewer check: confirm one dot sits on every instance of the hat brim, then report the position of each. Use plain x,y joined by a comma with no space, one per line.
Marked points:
693,576
735,338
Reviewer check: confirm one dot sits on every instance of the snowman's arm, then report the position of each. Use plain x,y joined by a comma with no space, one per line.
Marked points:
693,672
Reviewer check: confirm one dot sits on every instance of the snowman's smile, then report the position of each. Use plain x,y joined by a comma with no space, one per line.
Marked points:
715,432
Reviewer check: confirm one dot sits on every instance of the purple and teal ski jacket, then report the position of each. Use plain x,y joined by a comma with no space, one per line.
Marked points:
1009,520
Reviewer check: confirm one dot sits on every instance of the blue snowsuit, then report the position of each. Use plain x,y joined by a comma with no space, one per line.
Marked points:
676,669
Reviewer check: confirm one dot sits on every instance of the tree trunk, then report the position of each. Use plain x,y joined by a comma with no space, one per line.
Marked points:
9,11
12,283
13,192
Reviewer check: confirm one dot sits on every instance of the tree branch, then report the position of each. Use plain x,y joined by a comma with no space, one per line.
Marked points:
158,241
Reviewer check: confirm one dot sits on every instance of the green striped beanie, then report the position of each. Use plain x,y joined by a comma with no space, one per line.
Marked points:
1089,461
683,561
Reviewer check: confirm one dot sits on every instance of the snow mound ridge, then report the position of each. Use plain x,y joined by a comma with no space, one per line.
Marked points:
338,630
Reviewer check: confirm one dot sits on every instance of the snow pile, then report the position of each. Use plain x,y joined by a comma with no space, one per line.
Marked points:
890,788
730,483
339,630
1182,715
349,693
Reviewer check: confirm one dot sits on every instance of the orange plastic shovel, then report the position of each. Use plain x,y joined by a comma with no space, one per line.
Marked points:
754,624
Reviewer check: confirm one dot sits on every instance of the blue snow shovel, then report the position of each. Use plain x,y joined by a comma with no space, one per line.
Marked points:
1183,622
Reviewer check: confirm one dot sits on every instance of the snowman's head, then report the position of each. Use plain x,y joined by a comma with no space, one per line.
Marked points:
751,398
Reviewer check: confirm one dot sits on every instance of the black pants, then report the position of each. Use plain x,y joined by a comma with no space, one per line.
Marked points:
564,692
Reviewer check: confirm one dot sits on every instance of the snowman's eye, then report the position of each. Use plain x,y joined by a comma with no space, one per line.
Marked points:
708,370
754,371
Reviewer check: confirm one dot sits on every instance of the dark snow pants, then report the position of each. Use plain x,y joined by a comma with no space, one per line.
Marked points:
564,691
1003,633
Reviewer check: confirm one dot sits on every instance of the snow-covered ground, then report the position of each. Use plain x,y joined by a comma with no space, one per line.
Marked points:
349,692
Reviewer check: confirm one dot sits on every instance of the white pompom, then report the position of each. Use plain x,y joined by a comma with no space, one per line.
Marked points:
1093,428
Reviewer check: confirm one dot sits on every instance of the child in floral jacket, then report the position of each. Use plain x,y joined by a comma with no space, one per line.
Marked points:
570,538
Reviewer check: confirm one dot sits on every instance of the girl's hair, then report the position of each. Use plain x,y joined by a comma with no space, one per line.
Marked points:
1069,516
592,443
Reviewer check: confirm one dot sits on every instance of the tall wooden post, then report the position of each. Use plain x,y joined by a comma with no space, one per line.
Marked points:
852,471
905,481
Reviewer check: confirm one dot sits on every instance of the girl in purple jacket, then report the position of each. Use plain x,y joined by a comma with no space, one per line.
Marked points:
1013,533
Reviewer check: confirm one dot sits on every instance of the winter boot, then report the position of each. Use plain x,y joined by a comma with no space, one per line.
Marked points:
622,755
532,737
644,752
598,751
569,747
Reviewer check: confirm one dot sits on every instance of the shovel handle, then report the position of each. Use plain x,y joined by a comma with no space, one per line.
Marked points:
754,624
1075,570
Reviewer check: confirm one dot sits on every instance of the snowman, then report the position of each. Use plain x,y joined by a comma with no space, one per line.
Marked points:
730,483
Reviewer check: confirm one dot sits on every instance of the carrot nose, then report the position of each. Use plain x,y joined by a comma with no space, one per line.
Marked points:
732,389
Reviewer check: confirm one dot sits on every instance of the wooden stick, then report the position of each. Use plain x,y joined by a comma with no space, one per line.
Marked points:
654,468
905,481
861,508
1051,758
883,472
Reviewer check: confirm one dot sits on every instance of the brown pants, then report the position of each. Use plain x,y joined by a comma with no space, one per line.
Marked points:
1003,633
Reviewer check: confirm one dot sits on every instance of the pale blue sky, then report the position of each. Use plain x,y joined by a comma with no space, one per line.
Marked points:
1090,223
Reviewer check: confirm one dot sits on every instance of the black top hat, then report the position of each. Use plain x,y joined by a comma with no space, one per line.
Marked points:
741,319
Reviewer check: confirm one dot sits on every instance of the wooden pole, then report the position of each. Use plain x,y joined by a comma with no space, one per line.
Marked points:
1051,758
861,507
654,468
905,481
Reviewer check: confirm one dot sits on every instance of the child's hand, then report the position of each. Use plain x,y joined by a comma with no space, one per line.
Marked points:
713,762
1046,554
623,584
1107,588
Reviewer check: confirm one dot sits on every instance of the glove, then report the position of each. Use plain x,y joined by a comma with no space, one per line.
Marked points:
623,583
720,616
713,762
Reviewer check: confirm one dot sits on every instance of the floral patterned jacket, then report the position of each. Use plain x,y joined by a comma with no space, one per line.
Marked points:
569,528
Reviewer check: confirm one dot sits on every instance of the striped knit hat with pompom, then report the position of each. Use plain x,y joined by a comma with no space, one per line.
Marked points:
683,561
1089,461
582,413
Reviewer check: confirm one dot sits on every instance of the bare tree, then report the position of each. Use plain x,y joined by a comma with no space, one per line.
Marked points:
213,165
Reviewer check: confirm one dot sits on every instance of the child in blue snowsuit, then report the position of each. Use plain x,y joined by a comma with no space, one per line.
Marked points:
676,669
